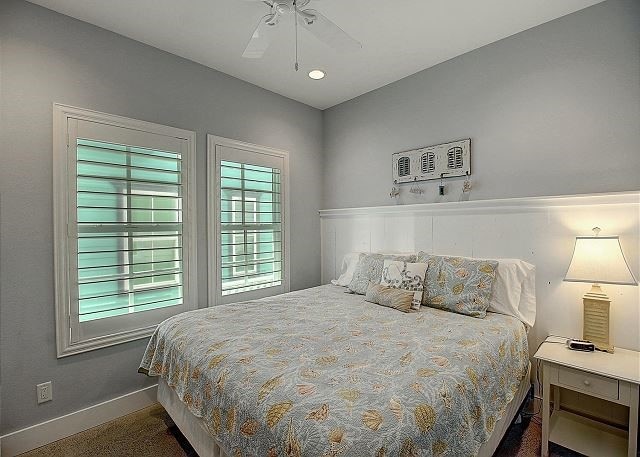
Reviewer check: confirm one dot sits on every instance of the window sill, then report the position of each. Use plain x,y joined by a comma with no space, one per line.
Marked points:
104,341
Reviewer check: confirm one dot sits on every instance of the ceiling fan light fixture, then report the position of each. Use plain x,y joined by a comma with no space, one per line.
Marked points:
317,74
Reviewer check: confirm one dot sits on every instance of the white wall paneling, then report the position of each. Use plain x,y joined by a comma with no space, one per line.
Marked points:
539,230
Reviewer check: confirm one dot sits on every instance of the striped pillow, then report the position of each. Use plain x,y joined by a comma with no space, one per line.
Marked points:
390,297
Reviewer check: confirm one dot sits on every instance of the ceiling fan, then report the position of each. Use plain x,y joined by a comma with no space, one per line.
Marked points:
319,25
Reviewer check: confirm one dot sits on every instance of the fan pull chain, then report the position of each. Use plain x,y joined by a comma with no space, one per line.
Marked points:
295,21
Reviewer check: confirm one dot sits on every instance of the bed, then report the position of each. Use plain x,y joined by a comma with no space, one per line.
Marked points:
322,372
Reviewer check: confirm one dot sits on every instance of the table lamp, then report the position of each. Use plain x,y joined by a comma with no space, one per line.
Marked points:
598,260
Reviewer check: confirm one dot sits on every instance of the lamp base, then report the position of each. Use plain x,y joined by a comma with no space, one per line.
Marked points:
596,318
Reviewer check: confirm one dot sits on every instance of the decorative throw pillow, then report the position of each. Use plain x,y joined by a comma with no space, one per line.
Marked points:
390,297
369,270
406,276
459,284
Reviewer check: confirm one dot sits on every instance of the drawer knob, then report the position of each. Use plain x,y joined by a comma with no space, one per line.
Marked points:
587,382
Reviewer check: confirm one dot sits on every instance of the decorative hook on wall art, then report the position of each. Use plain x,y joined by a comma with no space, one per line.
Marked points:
416,189
466,186
466,189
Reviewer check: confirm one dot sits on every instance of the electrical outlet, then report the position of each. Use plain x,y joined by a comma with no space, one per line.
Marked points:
44,392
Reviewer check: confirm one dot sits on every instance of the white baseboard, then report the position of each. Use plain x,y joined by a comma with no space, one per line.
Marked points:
52,430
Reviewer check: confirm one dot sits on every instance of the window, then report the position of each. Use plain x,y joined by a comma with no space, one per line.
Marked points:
454,158
428,162
124,242
404,166
240,248
248,221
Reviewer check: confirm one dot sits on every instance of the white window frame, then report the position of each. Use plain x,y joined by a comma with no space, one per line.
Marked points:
151,239
241,271
145,322
213,222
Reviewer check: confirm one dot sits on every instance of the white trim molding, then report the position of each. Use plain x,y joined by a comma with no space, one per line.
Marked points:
65,126
61,427
497,205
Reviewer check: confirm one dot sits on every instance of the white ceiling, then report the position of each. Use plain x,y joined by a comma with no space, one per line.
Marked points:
399,37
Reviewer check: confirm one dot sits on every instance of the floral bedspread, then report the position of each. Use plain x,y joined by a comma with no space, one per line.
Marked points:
323,373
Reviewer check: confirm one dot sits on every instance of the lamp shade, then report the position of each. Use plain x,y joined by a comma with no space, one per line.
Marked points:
599,259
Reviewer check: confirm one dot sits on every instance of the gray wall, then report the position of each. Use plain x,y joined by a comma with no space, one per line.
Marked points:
47,57
552,110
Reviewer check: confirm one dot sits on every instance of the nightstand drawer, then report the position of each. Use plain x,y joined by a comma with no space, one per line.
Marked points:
587,382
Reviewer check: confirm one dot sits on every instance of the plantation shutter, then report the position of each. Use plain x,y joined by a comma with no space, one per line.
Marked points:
250,211
127,205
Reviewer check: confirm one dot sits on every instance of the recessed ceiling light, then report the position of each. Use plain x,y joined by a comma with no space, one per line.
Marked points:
316,74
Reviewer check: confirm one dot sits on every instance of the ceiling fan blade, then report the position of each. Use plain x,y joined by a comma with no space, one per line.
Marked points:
327,31
260,39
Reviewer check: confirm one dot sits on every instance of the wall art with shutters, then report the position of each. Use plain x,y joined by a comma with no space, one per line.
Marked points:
445,160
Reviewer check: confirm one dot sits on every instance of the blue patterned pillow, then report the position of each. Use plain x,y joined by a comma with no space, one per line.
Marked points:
369,270
458,284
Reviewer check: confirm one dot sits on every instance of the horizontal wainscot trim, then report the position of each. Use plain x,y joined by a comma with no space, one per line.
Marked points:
498,205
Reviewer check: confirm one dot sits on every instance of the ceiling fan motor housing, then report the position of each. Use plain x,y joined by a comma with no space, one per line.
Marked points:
320,26
283,7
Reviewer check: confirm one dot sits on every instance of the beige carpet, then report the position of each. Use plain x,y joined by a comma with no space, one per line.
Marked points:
150,432
141,434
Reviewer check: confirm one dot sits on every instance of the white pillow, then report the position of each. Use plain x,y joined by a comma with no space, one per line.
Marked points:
348,267
514,290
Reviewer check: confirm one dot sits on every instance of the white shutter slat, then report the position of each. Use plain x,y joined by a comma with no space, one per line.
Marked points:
129,229
250,227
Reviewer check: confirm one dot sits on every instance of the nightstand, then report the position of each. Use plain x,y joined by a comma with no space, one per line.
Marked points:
612,377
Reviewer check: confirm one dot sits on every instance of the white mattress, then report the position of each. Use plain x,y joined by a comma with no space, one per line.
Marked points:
205,445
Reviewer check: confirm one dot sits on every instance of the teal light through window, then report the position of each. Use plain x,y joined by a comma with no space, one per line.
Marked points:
129,220
251,227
